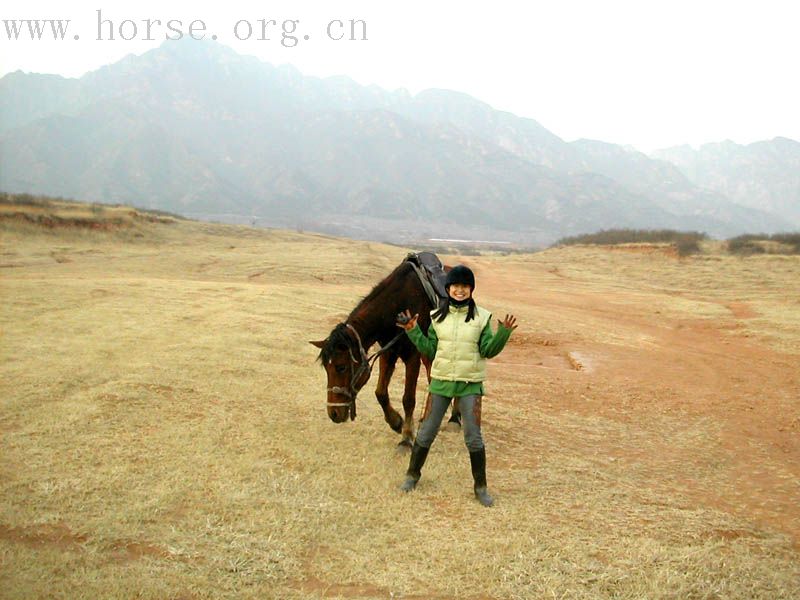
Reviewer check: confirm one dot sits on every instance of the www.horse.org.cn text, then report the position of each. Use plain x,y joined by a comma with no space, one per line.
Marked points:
108,28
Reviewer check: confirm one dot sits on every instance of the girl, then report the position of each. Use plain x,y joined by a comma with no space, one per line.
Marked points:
459,340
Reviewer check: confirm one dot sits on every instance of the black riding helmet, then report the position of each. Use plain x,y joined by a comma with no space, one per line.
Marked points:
460,274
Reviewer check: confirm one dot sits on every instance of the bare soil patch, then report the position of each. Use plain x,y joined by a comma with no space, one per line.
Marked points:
697,367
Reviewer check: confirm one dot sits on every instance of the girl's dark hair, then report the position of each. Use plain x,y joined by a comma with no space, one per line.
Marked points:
444,309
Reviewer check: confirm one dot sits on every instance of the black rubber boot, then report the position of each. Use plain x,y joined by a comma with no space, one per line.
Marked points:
418,456
478,461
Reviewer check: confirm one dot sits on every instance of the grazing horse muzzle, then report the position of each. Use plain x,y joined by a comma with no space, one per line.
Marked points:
339,414
339,411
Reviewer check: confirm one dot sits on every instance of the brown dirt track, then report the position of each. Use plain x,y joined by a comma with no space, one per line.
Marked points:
693,368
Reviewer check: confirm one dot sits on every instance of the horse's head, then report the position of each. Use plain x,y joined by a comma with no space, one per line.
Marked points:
345,362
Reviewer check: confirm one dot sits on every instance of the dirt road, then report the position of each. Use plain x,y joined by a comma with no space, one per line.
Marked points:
710,409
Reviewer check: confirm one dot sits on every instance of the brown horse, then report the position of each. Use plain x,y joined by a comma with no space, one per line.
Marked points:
344,356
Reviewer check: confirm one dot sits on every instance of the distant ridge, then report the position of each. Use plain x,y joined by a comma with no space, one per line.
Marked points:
764,175
197,129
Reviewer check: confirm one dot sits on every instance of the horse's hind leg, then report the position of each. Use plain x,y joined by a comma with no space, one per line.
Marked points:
454,423
386,368
410,399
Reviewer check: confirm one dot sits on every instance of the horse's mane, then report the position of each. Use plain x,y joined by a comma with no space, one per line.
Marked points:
380,285
337,338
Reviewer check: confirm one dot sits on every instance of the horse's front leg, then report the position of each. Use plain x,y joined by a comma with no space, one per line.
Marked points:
410,398
386,366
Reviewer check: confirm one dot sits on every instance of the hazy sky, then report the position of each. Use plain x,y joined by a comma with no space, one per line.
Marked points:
648,73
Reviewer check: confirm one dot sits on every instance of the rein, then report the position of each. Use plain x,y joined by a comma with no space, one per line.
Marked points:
365,364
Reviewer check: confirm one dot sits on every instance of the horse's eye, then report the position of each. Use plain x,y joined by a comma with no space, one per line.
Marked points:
340,368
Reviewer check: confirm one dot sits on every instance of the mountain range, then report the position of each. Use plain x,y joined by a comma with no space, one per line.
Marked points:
194,128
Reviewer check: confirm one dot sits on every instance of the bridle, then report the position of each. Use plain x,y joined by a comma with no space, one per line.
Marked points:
358,367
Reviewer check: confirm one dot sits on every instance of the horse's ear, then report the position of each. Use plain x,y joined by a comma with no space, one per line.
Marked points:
318,344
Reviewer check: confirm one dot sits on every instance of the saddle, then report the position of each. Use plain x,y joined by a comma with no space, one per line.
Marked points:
431,274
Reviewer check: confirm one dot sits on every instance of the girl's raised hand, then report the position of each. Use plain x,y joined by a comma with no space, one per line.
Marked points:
406,321
510,322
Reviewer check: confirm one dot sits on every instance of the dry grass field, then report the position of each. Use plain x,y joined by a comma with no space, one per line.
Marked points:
164,432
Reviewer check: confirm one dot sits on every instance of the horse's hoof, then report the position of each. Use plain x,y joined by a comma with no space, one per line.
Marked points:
404,446
483,496
409,484
454,426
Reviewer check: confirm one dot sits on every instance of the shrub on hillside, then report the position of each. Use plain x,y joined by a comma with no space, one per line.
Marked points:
779,243
686,242
160,213
687,247
747,244
25,199
97,208
790,239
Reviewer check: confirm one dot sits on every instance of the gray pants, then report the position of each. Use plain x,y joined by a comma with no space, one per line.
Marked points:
470,407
